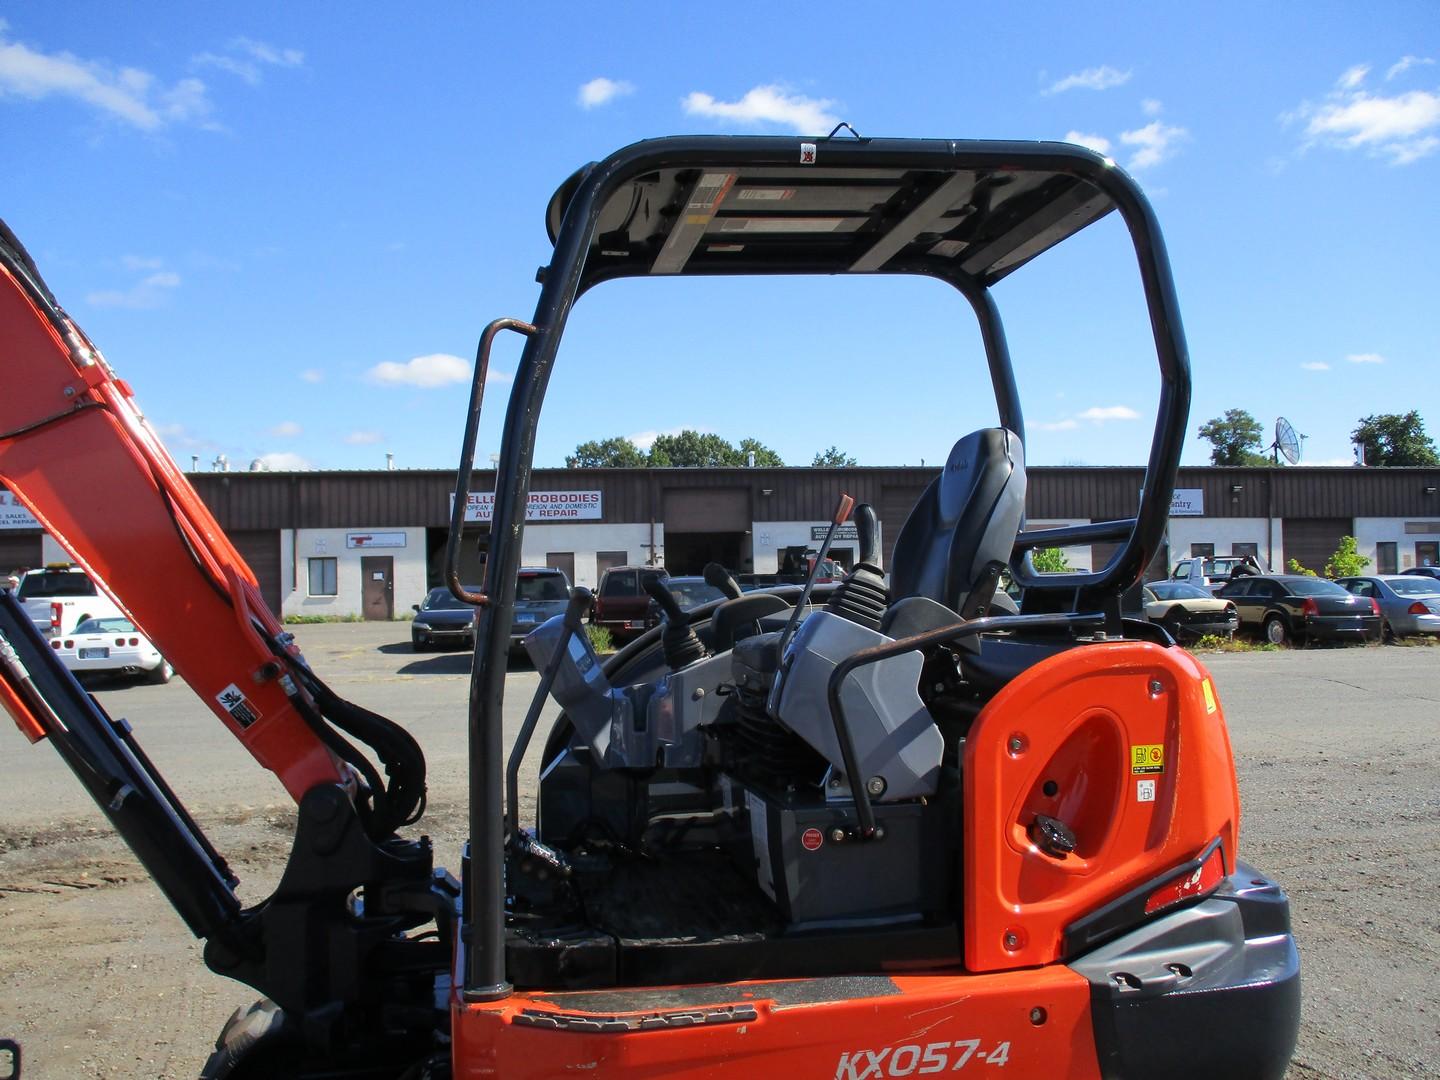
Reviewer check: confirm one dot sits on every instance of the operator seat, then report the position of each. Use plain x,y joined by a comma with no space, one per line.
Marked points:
961,532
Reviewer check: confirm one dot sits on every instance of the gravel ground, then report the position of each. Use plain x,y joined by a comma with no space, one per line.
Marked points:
1338,753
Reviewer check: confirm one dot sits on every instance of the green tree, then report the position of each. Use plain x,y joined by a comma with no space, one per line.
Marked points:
1051,561
1235,439
1296,568
693,450
1395,439
614,453
833,458
1347,560
765,458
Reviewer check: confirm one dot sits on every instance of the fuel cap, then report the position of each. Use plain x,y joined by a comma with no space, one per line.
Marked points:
1052,836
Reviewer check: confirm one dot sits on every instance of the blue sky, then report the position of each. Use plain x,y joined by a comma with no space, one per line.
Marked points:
286,224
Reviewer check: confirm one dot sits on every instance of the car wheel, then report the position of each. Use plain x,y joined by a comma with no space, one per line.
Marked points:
1171,623
1387,632
161,675
416,645
1276,632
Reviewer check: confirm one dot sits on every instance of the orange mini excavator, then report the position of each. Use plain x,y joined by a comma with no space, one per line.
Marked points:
890,825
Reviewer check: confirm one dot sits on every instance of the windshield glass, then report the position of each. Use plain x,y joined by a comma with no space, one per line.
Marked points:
1306,587
1414,586
55,583
441,600
1180,591
533,587
691,594
106,626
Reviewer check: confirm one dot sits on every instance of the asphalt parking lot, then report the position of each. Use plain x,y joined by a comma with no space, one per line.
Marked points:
1338,753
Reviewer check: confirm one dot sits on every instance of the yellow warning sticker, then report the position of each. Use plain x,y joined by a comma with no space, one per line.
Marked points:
1147,758
1209,692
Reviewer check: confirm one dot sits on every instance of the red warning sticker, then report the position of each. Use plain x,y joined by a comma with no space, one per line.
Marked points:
811,839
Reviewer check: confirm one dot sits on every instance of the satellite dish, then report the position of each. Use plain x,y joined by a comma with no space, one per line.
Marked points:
1286,441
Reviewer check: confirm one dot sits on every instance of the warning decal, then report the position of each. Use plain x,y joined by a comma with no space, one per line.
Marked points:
233,700
1147,758
1209,692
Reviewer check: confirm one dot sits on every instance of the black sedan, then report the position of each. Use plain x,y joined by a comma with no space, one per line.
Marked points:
440,619
1283,608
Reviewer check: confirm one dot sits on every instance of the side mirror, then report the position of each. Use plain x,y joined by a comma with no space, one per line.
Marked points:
415,608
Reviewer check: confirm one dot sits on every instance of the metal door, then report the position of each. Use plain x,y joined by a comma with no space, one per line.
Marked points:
564,561
377,586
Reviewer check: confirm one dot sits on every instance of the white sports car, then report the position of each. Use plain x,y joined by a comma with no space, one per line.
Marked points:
112,646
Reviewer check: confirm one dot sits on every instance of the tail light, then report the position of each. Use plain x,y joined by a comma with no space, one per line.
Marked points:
134,642
69,644
1375,607
119,641
57,612
1309,608
1194,883
55,644
1417,608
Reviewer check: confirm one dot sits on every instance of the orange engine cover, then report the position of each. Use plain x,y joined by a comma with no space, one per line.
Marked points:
1125,743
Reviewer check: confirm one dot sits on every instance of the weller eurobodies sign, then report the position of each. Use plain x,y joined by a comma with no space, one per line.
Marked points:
550,506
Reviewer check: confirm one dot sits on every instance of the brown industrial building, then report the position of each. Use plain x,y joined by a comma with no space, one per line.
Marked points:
333,542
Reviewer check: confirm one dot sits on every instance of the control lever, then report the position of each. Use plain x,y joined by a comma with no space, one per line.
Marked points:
717,577
867,531
862,597
679,643
842,512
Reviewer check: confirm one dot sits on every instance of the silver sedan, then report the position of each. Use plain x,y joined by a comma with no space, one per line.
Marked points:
1408,604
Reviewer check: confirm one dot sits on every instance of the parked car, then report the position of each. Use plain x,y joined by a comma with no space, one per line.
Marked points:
1188,611
440,619
690,591
1408,604
621,603
111,646
540,594
1209,571
1423,571
1283,608
59,598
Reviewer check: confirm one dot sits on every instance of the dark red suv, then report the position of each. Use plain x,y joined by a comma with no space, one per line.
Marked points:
621,602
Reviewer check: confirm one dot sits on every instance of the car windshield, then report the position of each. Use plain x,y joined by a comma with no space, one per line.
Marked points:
1221,566
1179,591
105,626
1307,587
442,600
1414,586
533,587
691,594
55,583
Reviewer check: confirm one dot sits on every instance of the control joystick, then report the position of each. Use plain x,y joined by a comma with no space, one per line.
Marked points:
678,641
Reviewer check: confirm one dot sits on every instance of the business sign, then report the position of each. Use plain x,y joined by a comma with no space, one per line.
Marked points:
13,515
1187,502
844,532
375,540
543,506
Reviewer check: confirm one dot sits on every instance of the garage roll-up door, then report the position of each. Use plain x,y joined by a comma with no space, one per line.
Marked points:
19,552
1311,541
261,549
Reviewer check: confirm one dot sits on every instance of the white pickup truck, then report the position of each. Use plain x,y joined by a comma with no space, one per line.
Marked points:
58,598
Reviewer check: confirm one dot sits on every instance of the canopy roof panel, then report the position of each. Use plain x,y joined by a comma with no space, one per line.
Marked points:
708,205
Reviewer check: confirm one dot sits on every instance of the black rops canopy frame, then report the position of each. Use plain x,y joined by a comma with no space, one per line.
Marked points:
966,212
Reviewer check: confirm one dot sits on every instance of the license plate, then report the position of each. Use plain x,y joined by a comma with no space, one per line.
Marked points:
527,618
94,654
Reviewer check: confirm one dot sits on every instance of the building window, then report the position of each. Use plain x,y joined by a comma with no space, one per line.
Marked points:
1245,549
1427,553
1387,557
323,577
1202,551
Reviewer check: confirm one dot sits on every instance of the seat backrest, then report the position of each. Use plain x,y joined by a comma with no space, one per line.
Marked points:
961,532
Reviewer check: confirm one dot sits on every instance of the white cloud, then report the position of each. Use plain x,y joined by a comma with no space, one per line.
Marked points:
141,262
1404,64
128,94
1156,142
283,461
312,375
151,292
1403,127
1352,77
1098,143
601,91
1151,107
364,438
1315,365
646,439
429,372
245,58
1101,413
1096,78
770,105
286,429
1365,358
179,437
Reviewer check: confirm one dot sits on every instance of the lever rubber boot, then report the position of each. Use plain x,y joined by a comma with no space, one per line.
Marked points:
862,597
